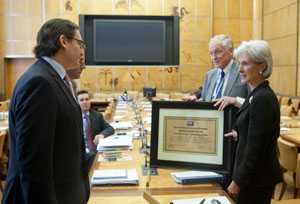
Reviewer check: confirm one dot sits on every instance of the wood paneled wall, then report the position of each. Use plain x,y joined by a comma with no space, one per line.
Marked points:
2,53
200,19
279,26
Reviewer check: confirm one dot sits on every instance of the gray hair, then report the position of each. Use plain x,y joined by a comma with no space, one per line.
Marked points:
259,52
221,39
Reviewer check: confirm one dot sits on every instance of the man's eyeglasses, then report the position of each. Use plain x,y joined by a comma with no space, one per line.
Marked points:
80,42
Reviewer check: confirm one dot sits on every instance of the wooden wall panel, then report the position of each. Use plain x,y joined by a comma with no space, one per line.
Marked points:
281,79
257,19
13,70
280,30
285,19
273,5
284,50
232,17
2,51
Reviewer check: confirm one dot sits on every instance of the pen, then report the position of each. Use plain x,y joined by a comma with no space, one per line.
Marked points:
202,201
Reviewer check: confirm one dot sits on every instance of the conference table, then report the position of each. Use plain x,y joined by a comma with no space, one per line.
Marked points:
3,125
161,186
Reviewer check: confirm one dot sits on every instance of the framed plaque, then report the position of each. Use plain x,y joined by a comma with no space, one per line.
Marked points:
190,134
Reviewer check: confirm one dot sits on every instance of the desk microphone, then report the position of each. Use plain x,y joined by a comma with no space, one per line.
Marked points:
148,172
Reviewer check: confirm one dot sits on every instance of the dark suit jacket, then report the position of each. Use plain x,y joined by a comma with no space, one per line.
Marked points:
47,163
233,88
99,125
256,162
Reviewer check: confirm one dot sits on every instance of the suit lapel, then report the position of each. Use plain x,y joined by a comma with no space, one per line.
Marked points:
233,74
61,84
211,88
244,107
263,85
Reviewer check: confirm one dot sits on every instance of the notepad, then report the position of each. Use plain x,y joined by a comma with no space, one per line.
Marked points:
131,178
210,200
186,177
121,125
110,174
115,142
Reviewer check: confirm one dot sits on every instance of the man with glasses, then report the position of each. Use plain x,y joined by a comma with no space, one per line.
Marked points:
223,79
47,154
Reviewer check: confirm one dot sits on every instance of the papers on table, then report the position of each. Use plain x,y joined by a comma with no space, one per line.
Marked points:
121,125
285,118
115,142
212,200
112,156
284,130
118,117
108,174
115,176
196,177
3,128
147,120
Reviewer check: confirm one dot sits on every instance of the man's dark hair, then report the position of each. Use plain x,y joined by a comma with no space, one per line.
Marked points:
82,92
48,36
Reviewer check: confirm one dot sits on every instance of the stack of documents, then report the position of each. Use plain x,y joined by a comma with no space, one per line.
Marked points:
213,200
115,176
115,142
196,177
121,125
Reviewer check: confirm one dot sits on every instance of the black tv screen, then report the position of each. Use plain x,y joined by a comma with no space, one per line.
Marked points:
131,40
146,40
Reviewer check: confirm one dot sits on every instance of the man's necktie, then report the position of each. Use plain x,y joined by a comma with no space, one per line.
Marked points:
88,133
219,86
68,83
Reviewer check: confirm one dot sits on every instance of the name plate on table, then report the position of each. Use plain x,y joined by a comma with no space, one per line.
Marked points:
190,134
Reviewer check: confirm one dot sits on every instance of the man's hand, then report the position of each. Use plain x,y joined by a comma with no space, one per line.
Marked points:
190,97
98,138
233,189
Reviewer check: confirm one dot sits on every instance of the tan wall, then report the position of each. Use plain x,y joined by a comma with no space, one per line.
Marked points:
279,27
2,42
203,19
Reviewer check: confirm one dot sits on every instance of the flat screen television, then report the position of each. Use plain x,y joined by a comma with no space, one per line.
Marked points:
130,40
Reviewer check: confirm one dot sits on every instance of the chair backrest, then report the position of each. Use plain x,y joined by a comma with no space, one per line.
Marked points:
295,103
2,140
285,100
286,110
288,154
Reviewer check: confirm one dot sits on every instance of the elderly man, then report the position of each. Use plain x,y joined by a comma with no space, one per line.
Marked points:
223,79
47,157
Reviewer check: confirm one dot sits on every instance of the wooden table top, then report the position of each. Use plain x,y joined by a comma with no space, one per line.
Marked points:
3,125
162,181
162,186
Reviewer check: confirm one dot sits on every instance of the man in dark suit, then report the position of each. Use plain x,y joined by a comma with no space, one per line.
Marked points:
223,79
94,126
46,163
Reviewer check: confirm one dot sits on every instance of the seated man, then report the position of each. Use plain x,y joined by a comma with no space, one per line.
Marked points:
95,127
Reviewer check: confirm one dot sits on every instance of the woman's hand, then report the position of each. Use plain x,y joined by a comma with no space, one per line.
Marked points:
233,189
233,134
224,102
